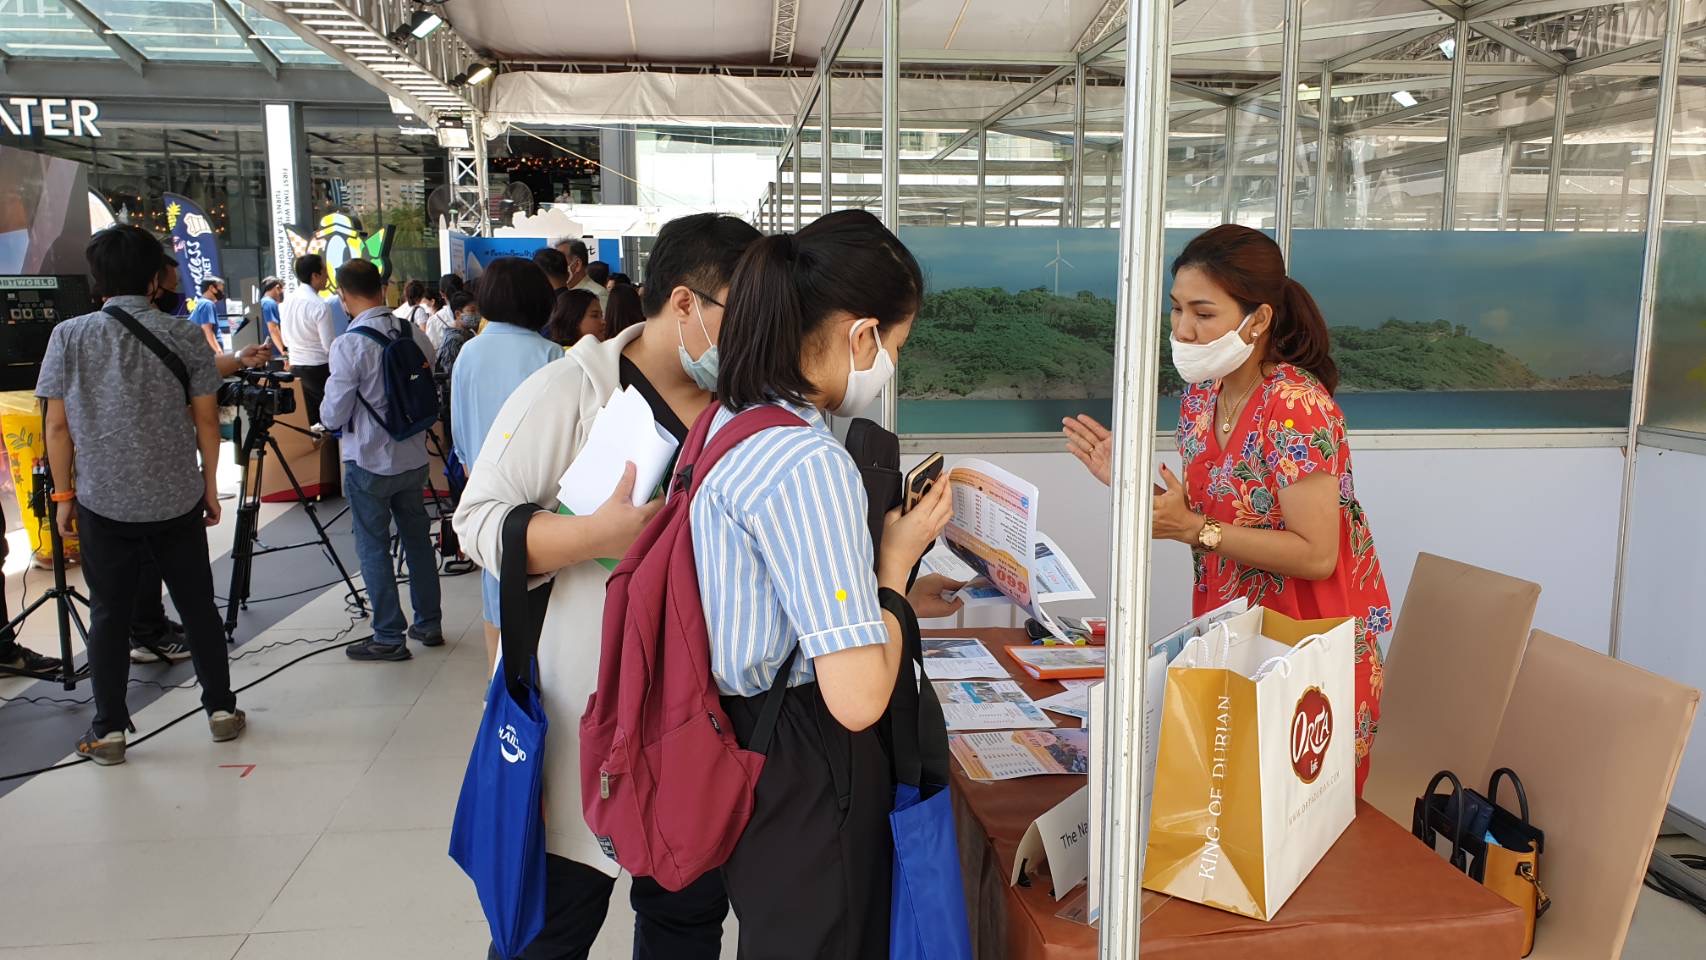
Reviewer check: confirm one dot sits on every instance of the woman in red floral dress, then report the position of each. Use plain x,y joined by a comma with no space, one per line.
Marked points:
1267,504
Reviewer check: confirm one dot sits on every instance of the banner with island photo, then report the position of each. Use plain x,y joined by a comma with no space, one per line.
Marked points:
1432,330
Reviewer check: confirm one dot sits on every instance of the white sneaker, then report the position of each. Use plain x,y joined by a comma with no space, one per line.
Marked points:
226,724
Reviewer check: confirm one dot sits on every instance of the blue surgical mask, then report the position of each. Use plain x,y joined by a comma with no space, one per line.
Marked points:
703,370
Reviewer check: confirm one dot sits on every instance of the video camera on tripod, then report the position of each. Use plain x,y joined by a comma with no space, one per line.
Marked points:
259,393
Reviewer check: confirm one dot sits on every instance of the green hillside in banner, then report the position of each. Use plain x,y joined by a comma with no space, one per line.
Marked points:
988,343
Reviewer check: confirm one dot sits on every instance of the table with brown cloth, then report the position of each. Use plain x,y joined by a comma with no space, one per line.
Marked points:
1377,893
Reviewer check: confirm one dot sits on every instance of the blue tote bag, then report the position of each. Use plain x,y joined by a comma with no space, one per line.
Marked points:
498,836
927,915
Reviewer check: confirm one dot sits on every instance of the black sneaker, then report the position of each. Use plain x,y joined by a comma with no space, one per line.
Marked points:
107,751
23,658
371,649
433,639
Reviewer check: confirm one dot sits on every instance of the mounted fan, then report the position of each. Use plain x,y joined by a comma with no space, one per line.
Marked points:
515,198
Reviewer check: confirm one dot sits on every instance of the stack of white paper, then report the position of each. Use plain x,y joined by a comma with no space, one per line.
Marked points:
624,432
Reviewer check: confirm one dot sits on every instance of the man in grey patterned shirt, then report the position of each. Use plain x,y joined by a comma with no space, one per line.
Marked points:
123,434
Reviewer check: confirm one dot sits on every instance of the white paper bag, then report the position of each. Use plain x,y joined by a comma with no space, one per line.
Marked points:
1256,766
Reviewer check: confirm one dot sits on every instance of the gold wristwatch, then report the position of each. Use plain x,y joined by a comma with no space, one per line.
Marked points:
1208,537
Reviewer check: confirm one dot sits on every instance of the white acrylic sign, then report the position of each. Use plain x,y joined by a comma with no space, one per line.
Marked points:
281,188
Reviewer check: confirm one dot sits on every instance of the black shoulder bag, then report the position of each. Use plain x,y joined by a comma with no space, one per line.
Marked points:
172,361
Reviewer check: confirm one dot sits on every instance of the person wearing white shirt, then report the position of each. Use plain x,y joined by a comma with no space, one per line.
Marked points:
414,308
309,331
579,256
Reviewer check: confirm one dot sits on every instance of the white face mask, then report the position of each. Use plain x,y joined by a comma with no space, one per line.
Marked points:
1200,362
863,386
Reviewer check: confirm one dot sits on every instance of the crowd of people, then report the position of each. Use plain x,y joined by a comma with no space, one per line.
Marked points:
794,592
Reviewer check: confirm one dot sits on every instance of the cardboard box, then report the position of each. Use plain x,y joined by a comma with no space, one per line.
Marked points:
1454,657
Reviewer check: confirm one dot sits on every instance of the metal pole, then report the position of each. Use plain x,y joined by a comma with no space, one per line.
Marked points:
1137,361
1107,188
1555,158
1506,161
799,181
1076,187
982,171
826,173
1285,183
1323,142
1454,125
891,168
1226,200
1656,183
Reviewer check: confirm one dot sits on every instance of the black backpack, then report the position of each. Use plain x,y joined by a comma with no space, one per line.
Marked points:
411,399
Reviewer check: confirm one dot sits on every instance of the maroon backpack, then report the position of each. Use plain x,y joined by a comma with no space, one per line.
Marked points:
665,787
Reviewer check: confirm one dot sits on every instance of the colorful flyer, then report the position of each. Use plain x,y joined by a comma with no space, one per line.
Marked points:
1011,754
988,705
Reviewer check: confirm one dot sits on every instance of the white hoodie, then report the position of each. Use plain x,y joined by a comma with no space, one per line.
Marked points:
532,442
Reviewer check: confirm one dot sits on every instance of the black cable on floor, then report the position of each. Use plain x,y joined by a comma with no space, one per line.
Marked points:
333,640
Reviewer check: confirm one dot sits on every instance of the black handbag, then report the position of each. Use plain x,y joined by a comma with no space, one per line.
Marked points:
876,452
1493,846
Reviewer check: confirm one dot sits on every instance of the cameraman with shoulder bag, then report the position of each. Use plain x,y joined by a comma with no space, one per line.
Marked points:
130,404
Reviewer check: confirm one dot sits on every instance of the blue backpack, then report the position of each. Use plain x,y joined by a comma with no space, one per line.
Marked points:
411,400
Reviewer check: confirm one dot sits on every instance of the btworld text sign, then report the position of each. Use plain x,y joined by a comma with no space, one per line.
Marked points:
49,116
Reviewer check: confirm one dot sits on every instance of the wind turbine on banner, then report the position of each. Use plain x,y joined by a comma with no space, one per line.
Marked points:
1058,262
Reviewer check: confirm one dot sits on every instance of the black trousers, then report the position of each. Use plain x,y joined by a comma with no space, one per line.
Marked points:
811,874
148,622
114,553
667,926
313,379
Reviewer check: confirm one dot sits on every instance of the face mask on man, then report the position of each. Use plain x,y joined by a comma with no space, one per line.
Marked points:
1200,362
703,370
169,302
863,386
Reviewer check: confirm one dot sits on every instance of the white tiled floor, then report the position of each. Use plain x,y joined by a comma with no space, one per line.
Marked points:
333,848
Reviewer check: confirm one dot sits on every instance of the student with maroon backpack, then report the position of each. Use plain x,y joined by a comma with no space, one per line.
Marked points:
535,436
784,562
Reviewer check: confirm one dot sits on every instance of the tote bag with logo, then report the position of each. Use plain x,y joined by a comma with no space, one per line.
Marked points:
1256,769
498,835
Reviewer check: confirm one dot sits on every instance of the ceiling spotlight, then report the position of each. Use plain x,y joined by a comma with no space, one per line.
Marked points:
1405,98
424,23
1448,46
474,76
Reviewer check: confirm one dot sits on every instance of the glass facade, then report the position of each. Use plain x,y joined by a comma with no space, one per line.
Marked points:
164,30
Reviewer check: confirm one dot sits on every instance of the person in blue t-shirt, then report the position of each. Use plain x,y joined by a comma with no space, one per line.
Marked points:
209,312
272,294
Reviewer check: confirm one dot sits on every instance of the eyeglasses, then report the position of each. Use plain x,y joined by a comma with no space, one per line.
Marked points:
708,299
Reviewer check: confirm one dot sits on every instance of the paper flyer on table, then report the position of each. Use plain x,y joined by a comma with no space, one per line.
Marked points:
955,658
1011,754
1075,703
988,705
624,432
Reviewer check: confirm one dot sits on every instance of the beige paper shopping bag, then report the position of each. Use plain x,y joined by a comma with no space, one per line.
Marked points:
1256,772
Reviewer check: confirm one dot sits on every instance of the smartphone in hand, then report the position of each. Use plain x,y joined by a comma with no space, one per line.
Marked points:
919,480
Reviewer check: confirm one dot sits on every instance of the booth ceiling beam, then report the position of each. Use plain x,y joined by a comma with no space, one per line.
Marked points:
1107,20
1511,41
1435,105
357,33
784,18
1634,52
263,53
119,45
1030,93
826,58
1635,111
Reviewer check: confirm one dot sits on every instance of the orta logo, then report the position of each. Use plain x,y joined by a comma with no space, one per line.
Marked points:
1311,731
508,746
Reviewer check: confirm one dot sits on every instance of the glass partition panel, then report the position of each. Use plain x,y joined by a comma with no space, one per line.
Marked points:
1676,397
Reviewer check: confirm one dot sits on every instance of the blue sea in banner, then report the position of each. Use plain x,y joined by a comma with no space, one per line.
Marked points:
1432,330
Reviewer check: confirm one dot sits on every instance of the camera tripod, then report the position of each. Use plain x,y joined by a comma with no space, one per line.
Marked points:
252,455
63,596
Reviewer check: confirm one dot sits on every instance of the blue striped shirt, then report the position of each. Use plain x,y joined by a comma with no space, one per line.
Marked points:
784,555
